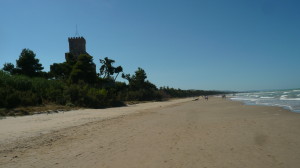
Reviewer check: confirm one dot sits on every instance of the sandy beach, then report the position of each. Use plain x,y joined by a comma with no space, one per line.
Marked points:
178,133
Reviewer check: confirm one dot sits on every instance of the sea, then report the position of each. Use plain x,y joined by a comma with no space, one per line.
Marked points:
288,99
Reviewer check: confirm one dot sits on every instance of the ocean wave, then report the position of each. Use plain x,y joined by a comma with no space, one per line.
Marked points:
285,106
243,99
289,98
254,96
266,92
283,96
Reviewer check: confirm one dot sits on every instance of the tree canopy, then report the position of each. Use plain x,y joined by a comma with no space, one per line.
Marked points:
108,70
27,64
60,70
138,80
84,69
9,67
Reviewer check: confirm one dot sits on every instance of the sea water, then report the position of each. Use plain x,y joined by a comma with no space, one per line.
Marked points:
288,99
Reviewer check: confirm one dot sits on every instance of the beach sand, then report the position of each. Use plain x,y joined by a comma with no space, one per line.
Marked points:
178,133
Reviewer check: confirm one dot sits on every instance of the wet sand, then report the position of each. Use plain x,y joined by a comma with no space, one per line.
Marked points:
178,133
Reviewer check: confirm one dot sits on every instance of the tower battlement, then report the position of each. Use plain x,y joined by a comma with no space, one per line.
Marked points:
76,39
77,46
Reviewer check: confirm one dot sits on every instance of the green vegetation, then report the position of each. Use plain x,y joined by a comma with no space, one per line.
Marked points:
75,83
27,65
84,69
139,88
108,70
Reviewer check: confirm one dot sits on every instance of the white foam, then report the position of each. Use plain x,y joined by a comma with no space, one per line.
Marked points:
243,99
283,96
267,104
289,98
290,108
254,96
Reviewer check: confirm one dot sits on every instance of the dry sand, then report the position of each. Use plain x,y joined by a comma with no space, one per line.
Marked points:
178,133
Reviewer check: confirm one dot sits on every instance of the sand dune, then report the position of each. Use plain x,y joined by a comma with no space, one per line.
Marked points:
178,133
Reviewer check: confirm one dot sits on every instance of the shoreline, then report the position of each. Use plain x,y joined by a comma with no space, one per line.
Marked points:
287,98
264,105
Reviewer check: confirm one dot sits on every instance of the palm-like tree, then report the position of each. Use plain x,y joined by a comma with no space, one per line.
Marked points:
108,70
118,70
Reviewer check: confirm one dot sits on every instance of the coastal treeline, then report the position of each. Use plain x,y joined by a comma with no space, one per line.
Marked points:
76,82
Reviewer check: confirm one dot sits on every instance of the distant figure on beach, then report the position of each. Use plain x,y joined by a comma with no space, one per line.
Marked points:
206,97
224,96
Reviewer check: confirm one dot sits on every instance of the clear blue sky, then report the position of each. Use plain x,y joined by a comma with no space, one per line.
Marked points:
187,44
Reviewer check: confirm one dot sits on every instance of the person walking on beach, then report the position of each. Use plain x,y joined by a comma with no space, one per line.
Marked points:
206,98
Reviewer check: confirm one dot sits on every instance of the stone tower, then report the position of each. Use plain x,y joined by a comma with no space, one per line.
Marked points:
76,47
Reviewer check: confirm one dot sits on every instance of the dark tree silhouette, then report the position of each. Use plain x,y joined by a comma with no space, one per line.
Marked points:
108,70
9,67
60,70
27,64
118,70
84,69
138,80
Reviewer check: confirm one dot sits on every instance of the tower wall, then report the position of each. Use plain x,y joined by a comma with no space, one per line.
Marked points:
77,46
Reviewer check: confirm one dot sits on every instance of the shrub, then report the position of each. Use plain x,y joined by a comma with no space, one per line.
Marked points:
13,100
